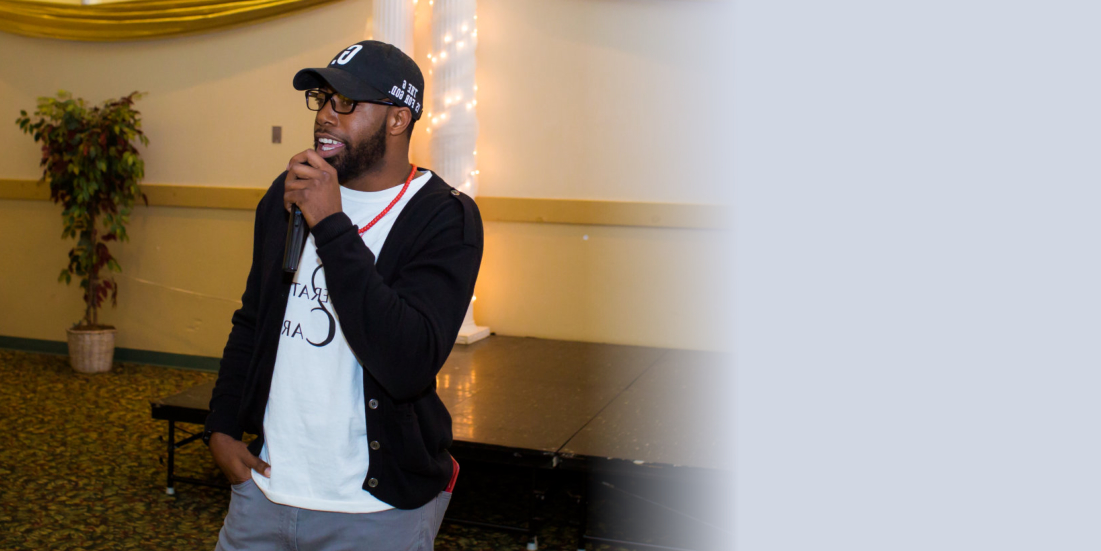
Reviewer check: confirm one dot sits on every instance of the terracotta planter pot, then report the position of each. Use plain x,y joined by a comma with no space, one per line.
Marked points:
91,351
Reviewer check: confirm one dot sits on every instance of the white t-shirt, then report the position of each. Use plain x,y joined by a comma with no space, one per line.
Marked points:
315,429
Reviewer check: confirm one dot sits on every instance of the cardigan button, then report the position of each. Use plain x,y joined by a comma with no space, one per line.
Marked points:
373,404
375,445
455,192
372,482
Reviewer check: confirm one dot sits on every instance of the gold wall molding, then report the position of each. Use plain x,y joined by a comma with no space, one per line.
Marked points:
605,213
494,209
210,197
24,189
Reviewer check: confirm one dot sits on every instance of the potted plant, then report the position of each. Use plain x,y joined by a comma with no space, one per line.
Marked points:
92,166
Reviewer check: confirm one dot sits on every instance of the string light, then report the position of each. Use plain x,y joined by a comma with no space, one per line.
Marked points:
452,38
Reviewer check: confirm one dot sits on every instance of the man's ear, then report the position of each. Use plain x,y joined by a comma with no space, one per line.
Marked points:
399,120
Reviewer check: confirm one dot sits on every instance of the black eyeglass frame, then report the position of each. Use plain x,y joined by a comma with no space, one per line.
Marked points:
330,98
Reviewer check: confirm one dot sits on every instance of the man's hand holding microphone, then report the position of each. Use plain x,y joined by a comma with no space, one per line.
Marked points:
312,185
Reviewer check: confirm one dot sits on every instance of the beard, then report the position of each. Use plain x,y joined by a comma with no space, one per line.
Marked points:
360,157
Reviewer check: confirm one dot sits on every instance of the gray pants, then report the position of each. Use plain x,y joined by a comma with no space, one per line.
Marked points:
255,523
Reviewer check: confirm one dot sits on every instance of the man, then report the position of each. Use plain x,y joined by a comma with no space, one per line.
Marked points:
334,370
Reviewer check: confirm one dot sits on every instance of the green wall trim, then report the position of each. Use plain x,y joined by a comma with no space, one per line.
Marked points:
129,355
167,359
35,345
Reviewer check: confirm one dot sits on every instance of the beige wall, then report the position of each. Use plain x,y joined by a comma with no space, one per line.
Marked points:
203,251
628,285
605,99
589,99
212,100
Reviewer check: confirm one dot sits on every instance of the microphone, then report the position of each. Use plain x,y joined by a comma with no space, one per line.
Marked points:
296,239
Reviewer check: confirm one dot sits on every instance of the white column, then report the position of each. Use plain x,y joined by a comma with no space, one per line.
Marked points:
454,114
393,20
453,109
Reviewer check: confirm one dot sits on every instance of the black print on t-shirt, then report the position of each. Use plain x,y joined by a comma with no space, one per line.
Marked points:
321,295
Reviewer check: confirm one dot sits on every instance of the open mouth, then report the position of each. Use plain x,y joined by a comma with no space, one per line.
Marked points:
328,147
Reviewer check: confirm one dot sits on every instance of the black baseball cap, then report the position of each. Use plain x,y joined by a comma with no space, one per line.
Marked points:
369,70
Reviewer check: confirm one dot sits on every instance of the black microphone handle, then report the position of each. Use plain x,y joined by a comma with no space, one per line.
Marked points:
296,239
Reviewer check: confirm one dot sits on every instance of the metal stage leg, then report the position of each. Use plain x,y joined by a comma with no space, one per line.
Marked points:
535,508
582,499
533,501
170,489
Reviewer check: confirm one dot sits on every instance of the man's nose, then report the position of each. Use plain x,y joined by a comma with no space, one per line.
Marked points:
327,115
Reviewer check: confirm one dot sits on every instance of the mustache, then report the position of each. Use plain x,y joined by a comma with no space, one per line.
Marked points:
318,130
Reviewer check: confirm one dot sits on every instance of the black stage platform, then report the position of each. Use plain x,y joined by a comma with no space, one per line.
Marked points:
609,411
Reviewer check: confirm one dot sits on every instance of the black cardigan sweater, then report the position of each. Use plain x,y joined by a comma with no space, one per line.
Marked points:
400,314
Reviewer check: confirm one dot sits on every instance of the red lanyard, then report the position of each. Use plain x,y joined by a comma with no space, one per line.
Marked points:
392,203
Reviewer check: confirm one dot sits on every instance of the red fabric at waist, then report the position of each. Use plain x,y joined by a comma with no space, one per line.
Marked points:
454,476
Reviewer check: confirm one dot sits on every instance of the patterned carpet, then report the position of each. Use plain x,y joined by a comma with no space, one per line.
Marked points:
81,467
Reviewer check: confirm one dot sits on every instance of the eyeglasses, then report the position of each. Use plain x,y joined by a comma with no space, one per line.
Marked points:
316,100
